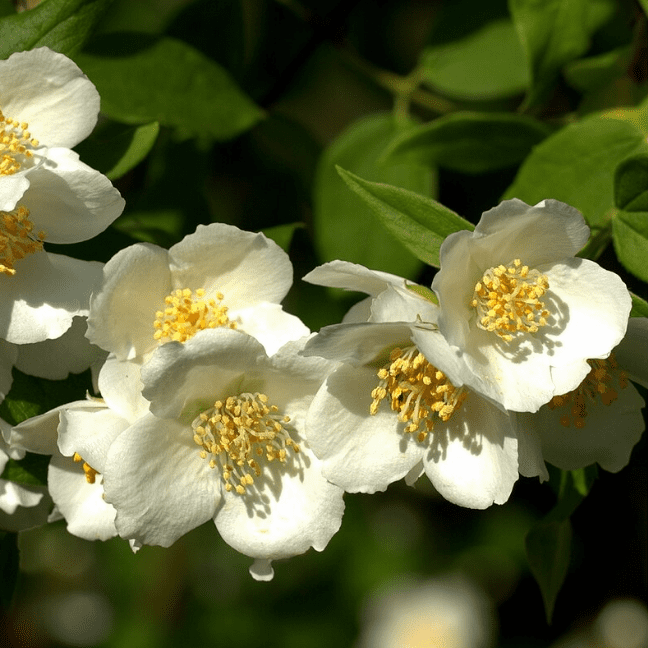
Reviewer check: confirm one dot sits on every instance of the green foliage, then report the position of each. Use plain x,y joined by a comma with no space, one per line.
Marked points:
577,165
470,142
31,470
639,306
419,223
346,228
115,149
61,25
630,223
145,79
486,64
552,33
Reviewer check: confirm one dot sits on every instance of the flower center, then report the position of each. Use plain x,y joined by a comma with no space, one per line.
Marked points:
596,386
507,300
417,390
239,432
17,239
16,143
90,472
187,313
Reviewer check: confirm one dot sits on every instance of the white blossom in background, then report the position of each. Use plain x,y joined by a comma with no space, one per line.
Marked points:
224,441
518,308
47,106
219,276
388,412
602,419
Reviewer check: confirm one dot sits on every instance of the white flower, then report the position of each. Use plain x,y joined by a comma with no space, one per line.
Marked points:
220,276
389,412
600,421
518,308
224,441
47,194
21,506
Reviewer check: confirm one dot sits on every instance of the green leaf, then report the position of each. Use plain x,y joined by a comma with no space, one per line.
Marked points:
595,71
163,227
142,79
577,165
644,6
548,546
419,223
282,235
115,149
631,184
630,237
552,33
31,470
9,567
346,228
61,25
487,64
639,306
470,142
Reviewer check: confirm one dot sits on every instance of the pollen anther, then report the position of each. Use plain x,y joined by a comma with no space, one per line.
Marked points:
17,238
90,472
507,300
417,390
16,144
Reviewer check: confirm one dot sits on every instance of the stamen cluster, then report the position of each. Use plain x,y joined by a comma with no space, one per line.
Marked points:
90,472
417,390
17,239
186,314
15,145
595,387
507,300
240,431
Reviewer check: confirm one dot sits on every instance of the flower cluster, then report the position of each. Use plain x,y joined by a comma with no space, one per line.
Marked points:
216,404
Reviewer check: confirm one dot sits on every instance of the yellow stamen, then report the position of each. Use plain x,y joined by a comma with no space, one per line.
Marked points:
238,433
17,239
417,390
90,472
16,144
187,312
507,300
596,387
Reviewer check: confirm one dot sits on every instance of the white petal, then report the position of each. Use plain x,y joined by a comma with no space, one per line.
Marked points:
8,355
472,459
530,459
46,293
14,496
270,324
37,434
26,517
261,570
359,452
87,514
51,93
158,483
122,312
12,189
55,359
352,276
294,509
395,304
247,268
121,387
69,200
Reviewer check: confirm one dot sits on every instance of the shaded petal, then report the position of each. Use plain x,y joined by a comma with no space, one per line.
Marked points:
45,294
69,200
359,452
50,92
632,352
121,387
247,268
14,496
55,359
472,459
158,483
87,514
396,304
38,434
12,189
8,355
530,460
122,312
25,517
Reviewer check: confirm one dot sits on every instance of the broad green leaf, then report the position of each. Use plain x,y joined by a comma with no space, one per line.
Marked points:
644,6
552,33
630,237
548,546
639,306
163,227
631,184
487,64
143,79
282,235
31,470
9,567
114,149
346,228
577,165
61,25
595,71
470,142
419,223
